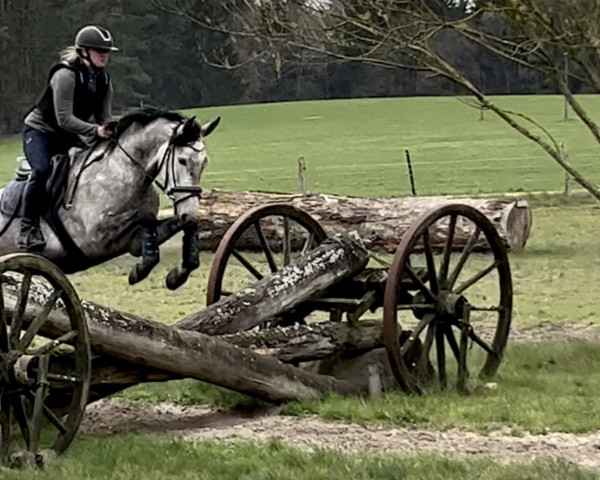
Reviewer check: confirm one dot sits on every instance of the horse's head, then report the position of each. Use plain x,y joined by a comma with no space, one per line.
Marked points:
181,163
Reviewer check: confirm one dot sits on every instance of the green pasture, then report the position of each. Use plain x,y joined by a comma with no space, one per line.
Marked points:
357,147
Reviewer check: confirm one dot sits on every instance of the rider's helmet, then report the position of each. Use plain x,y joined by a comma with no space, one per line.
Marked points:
92,36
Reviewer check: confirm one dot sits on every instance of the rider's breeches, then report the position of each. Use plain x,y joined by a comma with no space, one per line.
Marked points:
39,147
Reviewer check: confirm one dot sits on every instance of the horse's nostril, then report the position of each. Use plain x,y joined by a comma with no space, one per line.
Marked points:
186,218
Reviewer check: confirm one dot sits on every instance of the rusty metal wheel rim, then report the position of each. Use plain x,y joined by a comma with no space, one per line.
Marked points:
18,343
249,220
419,231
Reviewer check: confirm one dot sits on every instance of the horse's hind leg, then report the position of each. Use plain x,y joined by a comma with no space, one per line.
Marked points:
190,257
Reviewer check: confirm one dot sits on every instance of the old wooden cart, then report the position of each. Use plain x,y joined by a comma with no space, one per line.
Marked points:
446,297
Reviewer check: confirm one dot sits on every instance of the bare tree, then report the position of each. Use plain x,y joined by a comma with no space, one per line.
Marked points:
413,34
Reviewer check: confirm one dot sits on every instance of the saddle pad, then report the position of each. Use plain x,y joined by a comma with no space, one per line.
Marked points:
11,197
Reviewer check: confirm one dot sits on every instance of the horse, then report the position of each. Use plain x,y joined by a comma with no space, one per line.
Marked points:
109,204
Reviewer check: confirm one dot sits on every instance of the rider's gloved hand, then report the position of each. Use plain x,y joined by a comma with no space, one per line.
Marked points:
102,131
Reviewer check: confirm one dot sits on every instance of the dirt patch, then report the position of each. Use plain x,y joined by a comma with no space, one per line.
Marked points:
556,332
202,423
109,416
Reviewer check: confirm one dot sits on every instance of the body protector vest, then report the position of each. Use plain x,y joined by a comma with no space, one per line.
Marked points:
88,98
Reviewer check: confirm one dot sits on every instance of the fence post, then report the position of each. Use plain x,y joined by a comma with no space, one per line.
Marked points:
302,183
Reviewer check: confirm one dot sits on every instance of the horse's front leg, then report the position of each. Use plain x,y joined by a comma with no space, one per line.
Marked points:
190,257
147,245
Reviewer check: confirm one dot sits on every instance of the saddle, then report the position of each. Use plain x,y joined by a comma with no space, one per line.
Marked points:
56,192
10,202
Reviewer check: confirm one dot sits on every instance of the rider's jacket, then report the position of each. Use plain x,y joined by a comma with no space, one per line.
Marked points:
91,89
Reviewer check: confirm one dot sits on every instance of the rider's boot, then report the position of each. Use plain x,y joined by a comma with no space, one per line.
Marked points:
30,237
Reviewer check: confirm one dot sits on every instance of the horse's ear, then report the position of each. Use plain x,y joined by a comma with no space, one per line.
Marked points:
208,128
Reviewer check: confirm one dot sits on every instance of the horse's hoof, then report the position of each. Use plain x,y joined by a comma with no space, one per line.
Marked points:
176,278
137,274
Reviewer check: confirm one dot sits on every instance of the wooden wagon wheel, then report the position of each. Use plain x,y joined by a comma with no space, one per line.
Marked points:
263,240
452,304
27,369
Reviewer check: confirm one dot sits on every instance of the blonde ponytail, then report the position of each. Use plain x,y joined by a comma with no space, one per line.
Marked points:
69,54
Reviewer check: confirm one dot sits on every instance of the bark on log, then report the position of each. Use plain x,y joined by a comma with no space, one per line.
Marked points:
298,343
380,222
334,260
187,354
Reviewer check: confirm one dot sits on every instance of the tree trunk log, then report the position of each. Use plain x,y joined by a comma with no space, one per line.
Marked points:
334,260
191,354
380,222
289,345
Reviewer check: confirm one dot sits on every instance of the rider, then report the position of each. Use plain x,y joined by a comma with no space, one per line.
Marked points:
76,102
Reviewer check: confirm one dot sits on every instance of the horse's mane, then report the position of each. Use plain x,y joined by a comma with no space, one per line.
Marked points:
142,117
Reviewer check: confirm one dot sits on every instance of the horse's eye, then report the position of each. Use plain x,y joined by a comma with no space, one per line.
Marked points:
182,160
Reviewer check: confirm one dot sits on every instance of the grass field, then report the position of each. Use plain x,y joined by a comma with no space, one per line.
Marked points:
357,147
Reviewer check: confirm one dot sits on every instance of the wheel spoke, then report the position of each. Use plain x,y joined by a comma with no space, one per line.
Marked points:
39,402
441,355
410,341
60,426
247,264
4,345
17,321
50,415
463,372
50,346
420,285
424,358
452,342
443,276
38,321
475,278
463,257
308,244
266,247
483,344
21,416
287,242
430,262
5,422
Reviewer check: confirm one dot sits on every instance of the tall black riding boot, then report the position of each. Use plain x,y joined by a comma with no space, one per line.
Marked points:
30,237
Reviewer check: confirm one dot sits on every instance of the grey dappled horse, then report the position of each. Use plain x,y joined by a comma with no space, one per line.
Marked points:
110,205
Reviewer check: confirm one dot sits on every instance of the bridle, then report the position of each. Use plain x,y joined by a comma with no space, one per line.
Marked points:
168,159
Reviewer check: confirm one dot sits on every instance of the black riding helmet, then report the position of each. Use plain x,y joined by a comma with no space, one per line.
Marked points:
95,37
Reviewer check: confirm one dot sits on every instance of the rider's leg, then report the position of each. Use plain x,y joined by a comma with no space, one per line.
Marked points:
39,148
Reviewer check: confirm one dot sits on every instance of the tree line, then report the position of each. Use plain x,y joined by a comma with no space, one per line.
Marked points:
172,59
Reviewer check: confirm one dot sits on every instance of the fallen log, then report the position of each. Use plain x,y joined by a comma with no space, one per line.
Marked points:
186,354
334,260
380,222
190,354
299,343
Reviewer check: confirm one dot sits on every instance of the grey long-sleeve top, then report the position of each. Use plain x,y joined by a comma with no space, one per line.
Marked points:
63,92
